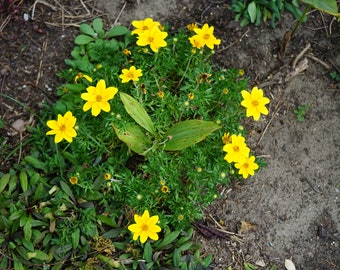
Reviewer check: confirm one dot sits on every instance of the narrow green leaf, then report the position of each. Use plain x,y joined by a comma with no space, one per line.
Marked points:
4,181
83,39
137,112
23,181
134,137
327,6
17,264
36,163
187,133
177,258
252,11
12,183
185,246
87,30
39,255
168,239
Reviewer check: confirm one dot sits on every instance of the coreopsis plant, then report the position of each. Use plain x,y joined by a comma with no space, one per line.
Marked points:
63,127
169,133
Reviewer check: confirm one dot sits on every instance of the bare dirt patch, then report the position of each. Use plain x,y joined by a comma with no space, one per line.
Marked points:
292,206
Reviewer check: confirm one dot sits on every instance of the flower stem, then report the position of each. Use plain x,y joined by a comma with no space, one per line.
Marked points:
298,23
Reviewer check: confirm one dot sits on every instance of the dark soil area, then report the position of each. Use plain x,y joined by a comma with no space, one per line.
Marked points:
288,210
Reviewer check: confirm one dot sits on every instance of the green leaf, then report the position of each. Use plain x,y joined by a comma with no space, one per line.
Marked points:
75,88
252,11
118,30
97,25
147,252
12,183
83,39
168,239
17,214
137,112
67,190
28,229
327,6
39,255
23,181
17,264
177,258
187,133
36,163
75,237
87,30
4,181
107,220
28,244
134,137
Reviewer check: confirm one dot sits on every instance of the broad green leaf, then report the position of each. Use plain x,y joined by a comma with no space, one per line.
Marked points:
23,181
65,187
12,183
147,252
177,258
75,88
4,181
98,25
83,39
87,30
28,244
17,264
17,214
107,220
134,137
75,237
137,112
327,6
118,30
252,11
187,133
28,229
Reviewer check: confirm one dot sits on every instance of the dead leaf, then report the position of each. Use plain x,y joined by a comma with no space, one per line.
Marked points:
260,263
246,227
289,265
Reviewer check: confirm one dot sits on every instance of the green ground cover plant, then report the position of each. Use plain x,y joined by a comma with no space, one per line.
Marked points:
145,131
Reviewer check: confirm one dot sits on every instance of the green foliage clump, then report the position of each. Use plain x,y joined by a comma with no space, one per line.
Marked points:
156,145
256,11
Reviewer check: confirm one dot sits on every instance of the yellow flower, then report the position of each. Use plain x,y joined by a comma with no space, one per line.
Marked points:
255,103
165,189
226,138
236,150
160,94
192,26
154,38
241,72
126,52
80,76
199,169
144,25
73,180
145,227
107,176
205,36
131,74
180,217
63,127
162,182
247,166
97,98
196,42
191,96
225,91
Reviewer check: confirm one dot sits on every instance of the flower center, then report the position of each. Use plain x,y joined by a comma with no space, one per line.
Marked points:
151,39
130,75
145,227
245,165
206,36
62,128
236,148
98,98
255,103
